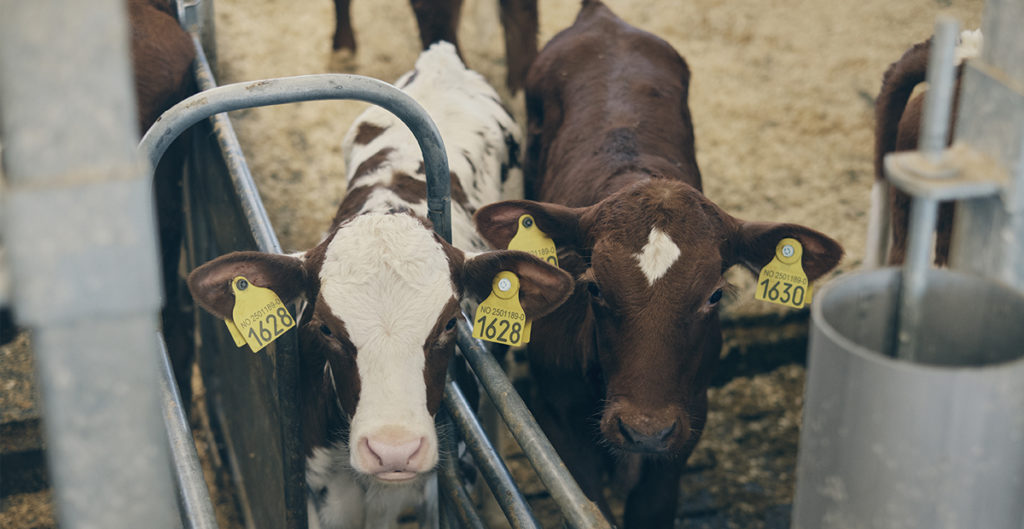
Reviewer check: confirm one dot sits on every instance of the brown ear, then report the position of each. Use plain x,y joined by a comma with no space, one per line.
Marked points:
542,287
210,284
755,245
499,222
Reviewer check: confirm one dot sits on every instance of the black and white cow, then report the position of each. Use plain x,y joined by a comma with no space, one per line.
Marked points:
383,294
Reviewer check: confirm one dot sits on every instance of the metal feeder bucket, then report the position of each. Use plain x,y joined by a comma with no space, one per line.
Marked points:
933,444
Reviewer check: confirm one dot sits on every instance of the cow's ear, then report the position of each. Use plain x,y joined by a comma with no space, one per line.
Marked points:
210,284
542,287
755,243
499,222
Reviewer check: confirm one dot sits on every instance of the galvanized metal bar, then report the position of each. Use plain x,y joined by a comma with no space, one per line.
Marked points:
456,503
494,471
193,496
80,228
988,234
241,177
938,106
317,87
576,507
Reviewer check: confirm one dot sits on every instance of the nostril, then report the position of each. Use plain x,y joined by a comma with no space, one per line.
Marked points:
368,447
626,431
664,434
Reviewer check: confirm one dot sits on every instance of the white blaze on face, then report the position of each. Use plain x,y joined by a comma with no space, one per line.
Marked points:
657,256
388,279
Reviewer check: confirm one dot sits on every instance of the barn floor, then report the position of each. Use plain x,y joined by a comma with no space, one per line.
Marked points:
781,96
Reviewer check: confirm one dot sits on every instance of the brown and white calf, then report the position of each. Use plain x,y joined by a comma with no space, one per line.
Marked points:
622,367
383,294
438,20
897,128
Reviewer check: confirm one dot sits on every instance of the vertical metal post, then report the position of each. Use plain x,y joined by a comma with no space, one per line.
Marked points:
988,234
924,211
80,229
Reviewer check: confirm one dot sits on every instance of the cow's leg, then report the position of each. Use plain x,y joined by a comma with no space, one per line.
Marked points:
437,20
653,501
566,416
519,18
344,38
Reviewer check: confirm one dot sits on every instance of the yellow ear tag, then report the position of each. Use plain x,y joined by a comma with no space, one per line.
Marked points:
530,239
783,281
500,318
259,315
236,335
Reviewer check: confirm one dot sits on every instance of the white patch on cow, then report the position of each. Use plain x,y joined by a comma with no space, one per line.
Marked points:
968,46
388,279
339,499
657,256
474,126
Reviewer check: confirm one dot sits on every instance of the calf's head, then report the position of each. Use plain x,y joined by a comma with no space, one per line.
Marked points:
649,262
383,294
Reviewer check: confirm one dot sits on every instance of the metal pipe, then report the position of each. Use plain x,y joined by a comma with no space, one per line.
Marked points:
456,501
78,222
575,506
316,87
197,509
494,471
241,177
938,105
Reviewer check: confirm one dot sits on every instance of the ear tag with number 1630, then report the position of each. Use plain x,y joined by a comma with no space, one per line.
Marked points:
259,316
530,239
500,318
783,281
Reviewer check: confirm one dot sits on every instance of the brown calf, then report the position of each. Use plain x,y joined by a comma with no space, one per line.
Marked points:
439,19
623,366
897,128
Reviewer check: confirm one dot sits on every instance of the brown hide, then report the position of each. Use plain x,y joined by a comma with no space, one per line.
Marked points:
897,128
439,20
624,364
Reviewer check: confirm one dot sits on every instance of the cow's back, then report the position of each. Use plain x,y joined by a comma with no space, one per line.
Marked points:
607,106
481,140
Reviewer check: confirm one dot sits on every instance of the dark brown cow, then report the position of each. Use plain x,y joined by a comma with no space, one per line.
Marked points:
897,128
162,54
439,20
622,368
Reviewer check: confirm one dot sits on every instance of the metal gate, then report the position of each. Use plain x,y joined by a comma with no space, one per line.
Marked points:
253,400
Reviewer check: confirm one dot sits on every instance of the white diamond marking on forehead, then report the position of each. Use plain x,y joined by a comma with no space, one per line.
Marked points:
657,256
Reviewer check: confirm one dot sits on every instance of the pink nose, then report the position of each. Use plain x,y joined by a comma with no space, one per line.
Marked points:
387,458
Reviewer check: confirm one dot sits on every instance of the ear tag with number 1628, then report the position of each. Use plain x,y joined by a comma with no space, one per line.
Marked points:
500,318
530,239
259,317
783,281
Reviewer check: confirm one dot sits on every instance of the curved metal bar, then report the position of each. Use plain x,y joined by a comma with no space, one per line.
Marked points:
308,88
238,169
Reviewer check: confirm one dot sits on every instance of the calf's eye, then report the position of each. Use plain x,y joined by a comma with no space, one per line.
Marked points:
716,297
595,291
325,330
450,325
